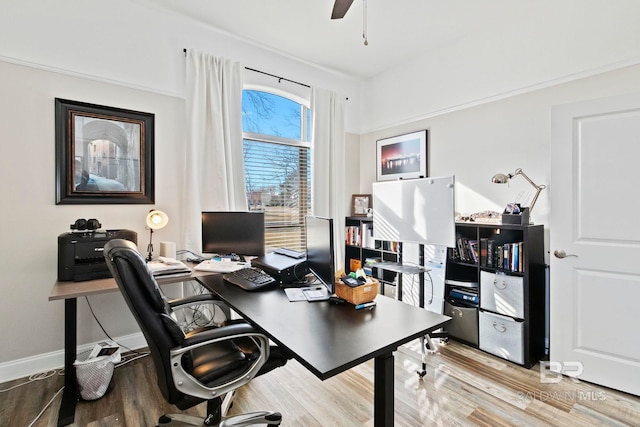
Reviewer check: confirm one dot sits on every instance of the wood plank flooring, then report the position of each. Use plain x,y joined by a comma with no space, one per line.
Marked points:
463,387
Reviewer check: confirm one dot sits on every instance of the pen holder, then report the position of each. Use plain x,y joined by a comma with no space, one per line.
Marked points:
358,294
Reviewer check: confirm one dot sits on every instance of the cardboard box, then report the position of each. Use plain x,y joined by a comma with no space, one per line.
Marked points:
359,294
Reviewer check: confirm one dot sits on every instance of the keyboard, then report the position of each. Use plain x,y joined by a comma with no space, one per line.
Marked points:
290,253
249,279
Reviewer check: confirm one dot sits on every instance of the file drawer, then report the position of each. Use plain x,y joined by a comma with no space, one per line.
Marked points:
464,322
502,294
502,336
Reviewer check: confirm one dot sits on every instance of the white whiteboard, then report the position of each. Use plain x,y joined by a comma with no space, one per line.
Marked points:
415,210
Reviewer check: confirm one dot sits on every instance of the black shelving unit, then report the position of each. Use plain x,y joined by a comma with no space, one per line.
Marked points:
495,289
364,247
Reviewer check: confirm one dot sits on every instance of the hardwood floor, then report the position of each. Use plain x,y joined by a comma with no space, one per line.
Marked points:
463,387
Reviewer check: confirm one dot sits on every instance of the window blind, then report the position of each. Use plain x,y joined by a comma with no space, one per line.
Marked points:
278,179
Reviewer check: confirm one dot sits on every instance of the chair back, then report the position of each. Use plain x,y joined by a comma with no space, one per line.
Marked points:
149,307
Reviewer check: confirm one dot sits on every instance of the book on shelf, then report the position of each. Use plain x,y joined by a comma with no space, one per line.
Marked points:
490,252
461,283
468,250
521,258
367,235
473,250
507,256
484,251
352,235
460,295
389,246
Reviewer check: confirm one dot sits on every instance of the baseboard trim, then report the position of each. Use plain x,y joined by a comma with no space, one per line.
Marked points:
21,368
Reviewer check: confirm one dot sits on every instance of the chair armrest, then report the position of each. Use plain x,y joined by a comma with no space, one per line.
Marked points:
196,299
208,336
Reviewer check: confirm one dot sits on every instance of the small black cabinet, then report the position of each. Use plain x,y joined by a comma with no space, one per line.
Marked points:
495,289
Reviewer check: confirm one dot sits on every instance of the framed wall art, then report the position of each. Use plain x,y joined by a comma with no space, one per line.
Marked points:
403,156
104,155
360,204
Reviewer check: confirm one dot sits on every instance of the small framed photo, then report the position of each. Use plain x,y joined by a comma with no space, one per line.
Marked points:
360,204
104,155
403,156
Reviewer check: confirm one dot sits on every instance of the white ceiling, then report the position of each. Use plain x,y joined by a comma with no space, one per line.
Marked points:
398,30
401,31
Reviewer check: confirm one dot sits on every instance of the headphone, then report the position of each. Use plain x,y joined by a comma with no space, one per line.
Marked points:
86,224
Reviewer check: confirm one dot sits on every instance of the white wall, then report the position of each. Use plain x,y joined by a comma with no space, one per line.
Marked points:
580,38
30,220
475,143
118,54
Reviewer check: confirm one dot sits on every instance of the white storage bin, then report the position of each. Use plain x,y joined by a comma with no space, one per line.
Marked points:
502,336
502,293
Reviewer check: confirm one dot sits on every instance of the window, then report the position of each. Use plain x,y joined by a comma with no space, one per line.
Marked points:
277,165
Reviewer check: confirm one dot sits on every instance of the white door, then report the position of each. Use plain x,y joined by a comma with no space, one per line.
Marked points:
595,241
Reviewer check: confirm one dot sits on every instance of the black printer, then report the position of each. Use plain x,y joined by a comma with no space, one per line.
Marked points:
80,253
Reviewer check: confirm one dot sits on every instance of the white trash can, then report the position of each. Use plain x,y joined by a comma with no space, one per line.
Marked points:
94,374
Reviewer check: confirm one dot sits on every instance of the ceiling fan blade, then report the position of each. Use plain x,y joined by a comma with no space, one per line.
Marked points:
340,8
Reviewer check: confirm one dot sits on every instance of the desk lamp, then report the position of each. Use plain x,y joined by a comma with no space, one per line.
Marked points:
501,178
155,221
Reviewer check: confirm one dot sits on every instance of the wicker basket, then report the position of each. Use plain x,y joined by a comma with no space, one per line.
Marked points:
359,294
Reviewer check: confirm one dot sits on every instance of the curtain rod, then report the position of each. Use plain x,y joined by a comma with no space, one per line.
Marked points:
271,75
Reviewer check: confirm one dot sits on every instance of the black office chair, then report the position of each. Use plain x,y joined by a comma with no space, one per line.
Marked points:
206,364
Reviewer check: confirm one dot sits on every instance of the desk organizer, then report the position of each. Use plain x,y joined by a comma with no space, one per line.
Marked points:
359,294
521,218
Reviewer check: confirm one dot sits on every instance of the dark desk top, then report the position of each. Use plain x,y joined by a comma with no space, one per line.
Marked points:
328,338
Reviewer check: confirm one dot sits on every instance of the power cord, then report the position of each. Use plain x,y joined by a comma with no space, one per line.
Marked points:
196,257
46,406
201,314
107,334
38,377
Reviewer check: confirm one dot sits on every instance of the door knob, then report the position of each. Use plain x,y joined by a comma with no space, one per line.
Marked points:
560,253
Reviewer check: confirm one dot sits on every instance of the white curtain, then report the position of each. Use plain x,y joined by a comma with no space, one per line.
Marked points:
214,178
328,163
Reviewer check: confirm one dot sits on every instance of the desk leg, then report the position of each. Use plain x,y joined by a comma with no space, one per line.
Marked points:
383,391
67,410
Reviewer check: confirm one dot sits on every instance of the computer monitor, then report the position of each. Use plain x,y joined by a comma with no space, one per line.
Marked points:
320,250
240,233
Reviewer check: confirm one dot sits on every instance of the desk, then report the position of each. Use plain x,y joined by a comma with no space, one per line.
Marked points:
70,292
328,338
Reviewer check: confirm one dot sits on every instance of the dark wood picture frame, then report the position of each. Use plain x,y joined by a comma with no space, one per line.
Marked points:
104,155
360,203
403,156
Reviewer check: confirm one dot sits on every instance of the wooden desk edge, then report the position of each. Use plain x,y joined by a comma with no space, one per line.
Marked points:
66,290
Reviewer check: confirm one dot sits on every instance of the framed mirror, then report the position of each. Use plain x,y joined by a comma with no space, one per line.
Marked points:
104,155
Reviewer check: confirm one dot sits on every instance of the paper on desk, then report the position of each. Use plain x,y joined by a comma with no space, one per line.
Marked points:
159,268
221,266
295,294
